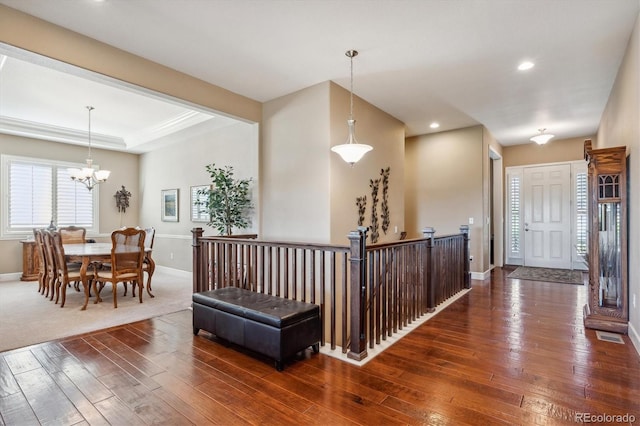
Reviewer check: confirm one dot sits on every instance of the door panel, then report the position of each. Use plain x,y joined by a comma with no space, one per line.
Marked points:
547,216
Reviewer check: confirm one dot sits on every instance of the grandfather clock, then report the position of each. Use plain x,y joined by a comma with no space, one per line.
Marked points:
607,305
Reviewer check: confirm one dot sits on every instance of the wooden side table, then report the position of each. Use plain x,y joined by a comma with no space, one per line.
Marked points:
30,261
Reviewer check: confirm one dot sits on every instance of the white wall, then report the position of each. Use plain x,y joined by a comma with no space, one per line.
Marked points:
180,165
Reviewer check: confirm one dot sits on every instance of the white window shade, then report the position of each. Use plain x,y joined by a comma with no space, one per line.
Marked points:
36,191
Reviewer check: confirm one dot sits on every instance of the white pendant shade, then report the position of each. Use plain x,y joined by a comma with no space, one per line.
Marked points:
351,151
542,138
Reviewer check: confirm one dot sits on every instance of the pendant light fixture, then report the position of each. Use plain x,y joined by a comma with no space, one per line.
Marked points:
88,175
542,138
351,151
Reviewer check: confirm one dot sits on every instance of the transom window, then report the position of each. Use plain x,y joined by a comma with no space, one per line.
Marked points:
37,191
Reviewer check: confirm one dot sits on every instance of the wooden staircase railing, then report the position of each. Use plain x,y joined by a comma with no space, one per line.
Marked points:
365,294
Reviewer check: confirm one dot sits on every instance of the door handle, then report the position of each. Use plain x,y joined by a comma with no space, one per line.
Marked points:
526,227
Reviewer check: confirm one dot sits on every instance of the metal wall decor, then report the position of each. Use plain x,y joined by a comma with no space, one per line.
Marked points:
122,199
385,215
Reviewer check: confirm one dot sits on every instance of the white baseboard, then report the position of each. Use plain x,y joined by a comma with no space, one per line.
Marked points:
13,276
175,272
635,337
480,275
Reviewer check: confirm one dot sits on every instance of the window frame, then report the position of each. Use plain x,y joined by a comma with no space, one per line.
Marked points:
7,233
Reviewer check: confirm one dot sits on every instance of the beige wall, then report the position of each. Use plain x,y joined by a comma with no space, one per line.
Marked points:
294,163
444,184
124,171
308,192
490,199
38,36
554,151
620,125
180,165
386,135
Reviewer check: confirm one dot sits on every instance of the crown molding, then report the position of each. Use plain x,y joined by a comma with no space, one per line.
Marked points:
176,124
30,129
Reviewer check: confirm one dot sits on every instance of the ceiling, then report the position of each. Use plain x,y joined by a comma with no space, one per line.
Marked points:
452,62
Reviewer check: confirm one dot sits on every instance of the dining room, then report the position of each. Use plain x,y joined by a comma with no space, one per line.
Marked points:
153,148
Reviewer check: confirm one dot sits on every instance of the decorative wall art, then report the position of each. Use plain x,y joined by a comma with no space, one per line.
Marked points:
169,205
384,207
199,197
361,202
122,199
374,184
385,215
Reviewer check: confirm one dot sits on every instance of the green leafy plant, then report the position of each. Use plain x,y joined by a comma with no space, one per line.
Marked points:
228,202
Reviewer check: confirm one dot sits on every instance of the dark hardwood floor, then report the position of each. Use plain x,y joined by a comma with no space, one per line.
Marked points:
508,352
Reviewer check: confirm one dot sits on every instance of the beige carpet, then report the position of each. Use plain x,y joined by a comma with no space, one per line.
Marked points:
27,317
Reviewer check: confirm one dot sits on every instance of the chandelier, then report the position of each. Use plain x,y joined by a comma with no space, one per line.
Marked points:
87,175
542,138
351,151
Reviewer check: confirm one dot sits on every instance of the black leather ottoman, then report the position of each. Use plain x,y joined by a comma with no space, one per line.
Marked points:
273,326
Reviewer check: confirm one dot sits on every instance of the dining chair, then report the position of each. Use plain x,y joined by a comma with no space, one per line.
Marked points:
51,274
72,234
148,265
42,270
127,256
66,272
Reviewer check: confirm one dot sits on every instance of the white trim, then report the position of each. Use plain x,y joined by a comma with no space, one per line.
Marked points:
378,349
30,129
175,272
518,260
634,336
11,276
175,236
5,159
481,276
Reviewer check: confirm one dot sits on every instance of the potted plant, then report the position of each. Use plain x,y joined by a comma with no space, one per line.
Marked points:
228,202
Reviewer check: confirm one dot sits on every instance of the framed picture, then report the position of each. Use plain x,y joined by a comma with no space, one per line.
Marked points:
197,211
169,205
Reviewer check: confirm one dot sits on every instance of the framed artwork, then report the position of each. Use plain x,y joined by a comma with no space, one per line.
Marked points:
197,211
169,205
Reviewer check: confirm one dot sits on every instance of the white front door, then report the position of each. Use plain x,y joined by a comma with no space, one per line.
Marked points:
547,216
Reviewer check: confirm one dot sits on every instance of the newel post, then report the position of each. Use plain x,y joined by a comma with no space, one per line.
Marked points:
464,229
358,289
429,233
198,268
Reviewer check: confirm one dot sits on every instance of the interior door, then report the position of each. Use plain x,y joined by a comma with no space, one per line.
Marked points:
547,216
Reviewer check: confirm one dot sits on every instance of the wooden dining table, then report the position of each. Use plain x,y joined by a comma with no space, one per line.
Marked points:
96,253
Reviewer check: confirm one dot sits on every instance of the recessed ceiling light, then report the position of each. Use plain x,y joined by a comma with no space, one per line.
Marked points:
526,65
434,125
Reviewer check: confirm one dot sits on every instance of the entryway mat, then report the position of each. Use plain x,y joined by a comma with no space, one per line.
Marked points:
566,276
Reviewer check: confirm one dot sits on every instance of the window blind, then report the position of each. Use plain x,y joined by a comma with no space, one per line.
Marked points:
40,191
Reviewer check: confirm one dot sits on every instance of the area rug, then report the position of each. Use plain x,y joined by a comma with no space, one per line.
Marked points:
566,276
27,317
